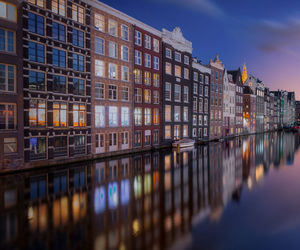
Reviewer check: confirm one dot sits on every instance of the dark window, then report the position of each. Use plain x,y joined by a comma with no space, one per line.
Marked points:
78,62
35,23
138,138
36,52
60,146
79,86
59,84
36,80
59,58
79,144
78,38
58,32
38,148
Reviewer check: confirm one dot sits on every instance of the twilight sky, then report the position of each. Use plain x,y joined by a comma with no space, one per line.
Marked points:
263,33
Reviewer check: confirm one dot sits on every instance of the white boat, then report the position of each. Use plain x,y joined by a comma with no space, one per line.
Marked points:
184,143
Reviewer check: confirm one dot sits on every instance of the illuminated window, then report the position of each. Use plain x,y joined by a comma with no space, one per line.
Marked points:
10,145
138,116
8,11
112,27
138,138
138,95
60,114
156,80
137,76
155,116
168,114
7,78
99,68
147,96
156,97
147,78
77,13
177,71
99,22
37,2
185,131
79,115
59,7
186,74
7,40
8,116
167,132
147,116
168,68
37,113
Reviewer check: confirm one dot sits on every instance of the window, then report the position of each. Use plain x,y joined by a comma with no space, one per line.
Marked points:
59,7
112,71
59,58
124,93
77,13
124,116
195,104
155,137
177,115
200,120
155,97
137,76
138,138
78,86
200,90
147,96
186,60
125,138
79,115
147,42
137,57
177,71
112,27
78,62
99,91
137,38
156,80
155,45
58,31
156,63
38,148
177,93
186,114
177,57
60,146
168,116
147,116
99,46
112,49
8,11
206,91
79,144
177,132
8,116
7,40
99,116
185,131
201,78
35,23
155,116
99,68
200,105
125,74
147,78
195,76
205,105
124,32
168,53
10,145
168,91
7,78
195,88
206,80
39,3
124,53
167,132
138,116
147,60
168,68
60,114
138,95
186,94
78,38
36,52
59,84
194,120
99,143
147,137
99,22
112,92
186,74
36,80
37,113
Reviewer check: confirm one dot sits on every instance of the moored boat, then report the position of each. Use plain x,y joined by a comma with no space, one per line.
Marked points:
184,143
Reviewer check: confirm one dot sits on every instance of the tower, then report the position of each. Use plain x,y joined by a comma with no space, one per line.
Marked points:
244,74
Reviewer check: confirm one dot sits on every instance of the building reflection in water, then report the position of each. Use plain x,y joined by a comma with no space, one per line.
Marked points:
144,201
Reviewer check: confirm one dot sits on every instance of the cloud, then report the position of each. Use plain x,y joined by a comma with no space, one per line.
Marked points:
274,36
204,6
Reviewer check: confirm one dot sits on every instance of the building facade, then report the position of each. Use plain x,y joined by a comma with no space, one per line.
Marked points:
201,79
177,86
57,81
216,98
297,112
11,85
267,109
249,110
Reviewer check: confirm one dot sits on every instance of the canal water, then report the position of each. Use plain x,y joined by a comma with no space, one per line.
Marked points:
241,194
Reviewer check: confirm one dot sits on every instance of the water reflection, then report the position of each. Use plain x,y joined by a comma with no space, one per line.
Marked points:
145,201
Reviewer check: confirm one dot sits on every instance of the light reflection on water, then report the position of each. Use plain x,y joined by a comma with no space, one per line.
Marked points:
218,196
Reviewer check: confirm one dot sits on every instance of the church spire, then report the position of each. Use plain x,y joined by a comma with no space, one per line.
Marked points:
244,74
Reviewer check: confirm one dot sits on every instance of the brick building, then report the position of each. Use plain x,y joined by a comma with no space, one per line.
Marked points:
249,110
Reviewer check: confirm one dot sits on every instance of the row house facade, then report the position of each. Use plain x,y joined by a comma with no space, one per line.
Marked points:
267,110
216,98
147,86
112,79
237,79
11,84
177,85
200,93
57,80
228,105
249,110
